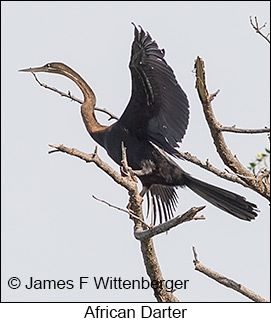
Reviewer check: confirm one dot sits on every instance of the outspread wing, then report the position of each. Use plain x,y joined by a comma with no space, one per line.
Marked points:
158,108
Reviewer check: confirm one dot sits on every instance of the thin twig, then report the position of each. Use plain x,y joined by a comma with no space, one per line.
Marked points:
122,210
241,176
67,95
225,281
111,205
110,114
195,255
73,98
258,28
208,166
125,169
165,227
245,131
129,185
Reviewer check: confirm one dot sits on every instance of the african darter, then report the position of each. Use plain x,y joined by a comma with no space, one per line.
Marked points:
151,126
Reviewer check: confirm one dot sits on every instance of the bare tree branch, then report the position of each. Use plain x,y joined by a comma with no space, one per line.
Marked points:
135,207
258,28
166,226
208,166
226,281
245,131
142,231
125,169
122,210
110,114
73,98
154,272
123,181
225,154
186,156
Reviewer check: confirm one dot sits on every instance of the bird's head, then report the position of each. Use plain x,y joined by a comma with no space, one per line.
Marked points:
55,68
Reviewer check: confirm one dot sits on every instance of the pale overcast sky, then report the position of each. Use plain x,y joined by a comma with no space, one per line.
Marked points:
52,228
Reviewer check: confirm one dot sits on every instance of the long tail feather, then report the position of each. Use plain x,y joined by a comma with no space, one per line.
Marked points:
227,201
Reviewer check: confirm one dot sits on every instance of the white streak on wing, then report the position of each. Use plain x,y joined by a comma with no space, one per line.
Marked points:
162,152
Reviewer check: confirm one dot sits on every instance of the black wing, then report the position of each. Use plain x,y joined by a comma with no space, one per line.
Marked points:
158,109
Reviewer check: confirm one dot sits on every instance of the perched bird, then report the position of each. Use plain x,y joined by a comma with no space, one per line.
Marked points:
153,123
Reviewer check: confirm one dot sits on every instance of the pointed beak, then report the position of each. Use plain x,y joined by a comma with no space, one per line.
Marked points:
33,69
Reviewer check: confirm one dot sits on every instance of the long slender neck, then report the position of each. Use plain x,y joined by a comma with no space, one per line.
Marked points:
87,108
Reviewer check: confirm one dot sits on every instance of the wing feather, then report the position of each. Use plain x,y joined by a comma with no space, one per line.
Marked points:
164,200
158,111
158,108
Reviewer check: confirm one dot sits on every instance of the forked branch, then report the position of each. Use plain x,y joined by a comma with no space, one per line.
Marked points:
216,131
135,208
258,28
166,226
209,167
187,156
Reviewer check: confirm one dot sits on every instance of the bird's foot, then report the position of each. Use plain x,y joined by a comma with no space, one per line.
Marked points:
127,171
147,168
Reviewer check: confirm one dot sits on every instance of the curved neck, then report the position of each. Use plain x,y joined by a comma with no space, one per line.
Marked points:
87,108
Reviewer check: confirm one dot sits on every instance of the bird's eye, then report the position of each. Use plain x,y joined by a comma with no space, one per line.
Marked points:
48,65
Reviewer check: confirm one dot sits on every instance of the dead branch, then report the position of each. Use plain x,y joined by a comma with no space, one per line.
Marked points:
142,231
135,207
226,281
258,29
165,227
73,98
154,272
122,210
125,169
208,166
245,131
186,155
100,163
215,128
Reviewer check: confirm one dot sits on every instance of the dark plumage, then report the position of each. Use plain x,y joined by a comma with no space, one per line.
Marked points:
153,123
